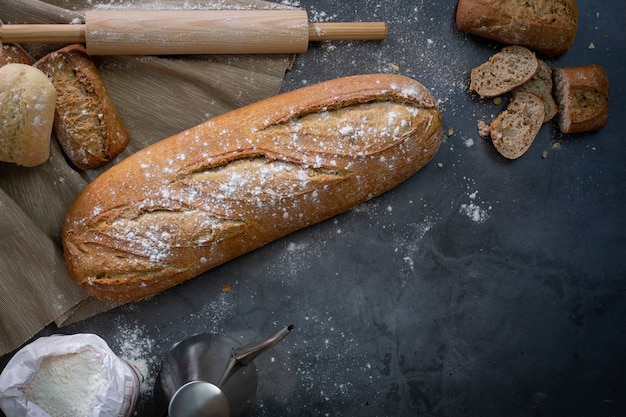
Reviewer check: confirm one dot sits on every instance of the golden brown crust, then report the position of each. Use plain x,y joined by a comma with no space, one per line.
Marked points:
582,95
544,26
86,124
240,180
12,53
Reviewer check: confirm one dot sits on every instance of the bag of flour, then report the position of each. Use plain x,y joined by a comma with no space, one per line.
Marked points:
74,376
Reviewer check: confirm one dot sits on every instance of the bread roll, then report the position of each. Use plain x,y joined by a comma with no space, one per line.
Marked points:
582,95
544,26
27,102
87,125
240,180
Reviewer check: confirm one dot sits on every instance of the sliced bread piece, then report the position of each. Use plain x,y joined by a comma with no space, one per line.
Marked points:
515,129
582,96
541,85
505,70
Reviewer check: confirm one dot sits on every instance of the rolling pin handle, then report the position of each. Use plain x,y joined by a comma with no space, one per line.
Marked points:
42,33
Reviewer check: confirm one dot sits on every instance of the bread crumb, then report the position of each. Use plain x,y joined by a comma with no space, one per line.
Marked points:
544,154
497,100
591,46
439,165
483,129
394,67
226,288
449,132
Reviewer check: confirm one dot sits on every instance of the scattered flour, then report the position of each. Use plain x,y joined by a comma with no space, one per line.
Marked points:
409,240
135,347
473,210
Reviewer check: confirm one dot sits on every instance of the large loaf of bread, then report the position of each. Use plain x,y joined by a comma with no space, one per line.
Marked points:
240,180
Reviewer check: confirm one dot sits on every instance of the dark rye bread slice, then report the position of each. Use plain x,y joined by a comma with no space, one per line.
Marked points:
505,70
515,129
541,85
582,96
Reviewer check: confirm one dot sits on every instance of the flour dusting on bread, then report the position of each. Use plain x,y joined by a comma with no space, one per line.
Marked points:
240,180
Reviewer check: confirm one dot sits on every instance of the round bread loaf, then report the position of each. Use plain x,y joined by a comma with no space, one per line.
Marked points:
27,105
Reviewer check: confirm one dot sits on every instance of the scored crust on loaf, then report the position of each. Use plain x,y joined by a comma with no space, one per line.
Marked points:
27,103
509,68
582,96
544,26
514,129
240,180
541,85
87,125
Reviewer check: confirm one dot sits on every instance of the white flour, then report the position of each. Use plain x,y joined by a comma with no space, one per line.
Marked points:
66,385
473,210
136,348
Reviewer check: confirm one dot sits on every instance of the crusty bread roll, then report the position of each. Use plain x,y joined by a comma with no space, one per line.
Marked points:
505,70
515,129
87,125
546,27
27,102
582,95
240,180
12,53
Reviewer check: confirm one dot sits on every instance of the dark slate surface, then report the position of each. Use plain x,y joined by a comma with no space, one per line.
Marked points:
479,287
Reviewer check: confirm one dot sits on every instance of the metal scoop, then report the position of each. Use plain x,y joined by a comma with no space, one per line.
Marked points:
200,398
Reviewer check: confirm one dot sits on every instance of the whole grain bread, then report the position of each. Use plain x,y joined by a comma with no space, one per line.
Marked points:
27,103
541,85
505,70
242,179
582,96
544,26
87,124
514,129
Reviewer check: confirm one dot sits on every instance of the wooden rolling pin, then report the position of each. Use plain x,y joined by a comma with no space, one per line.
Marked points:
170,32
